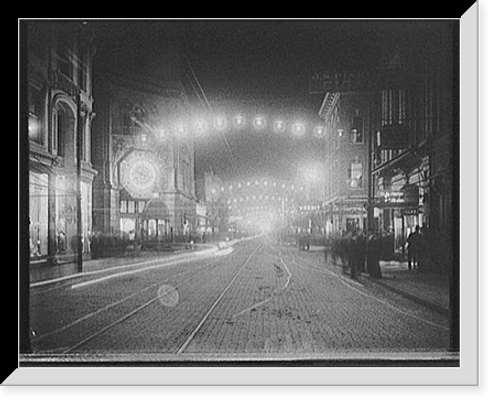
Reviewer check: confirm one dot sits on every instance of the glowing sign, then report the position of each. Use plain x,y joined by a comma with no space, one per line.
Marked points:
139,174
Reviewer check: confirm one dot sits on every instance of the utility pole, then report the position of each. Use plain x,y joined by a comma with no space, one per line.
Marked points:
370,140
79,133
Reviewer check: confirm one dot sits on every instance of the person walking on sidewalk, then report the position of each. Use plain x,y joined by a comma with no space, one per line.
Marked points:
414,242
374,250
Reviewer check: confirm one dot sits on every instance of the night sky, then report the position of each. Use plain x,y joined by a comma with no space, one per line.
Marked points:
262,67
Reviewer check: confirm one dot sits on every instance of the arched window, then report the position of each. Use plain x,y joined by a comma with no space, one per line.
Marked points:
63,131
36,114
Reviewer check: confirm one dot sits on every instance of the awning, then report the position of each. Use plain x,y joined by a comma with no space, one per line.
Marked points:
155,209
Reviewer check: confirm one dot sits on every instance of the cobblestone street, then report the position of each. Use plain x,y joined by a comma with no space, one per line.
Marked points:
251,300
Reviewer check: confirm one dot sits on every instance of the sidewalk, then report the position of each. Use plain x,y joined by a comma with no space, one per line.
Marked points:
429,288
41,273
426,287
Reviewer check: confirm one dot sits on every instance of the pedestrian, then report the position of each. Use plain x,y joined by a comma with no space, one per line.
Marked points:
414,243
360,253
373,255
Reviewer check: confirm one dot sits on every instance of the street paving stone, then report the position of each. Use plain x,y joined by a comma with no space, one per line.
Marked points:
283,302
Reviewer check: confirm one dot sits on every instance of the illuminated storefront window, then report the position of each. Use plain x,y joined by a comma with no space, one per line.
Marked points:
38,210
86,191
66,215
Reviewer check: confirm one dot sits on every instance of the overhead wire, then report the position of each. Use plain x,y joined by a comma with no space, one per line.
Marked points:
204,100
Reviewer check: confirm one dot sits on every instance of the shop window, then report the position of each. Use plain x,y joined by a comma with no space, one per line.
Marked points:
152,229
65,214
127,227
86,191
38,214
162,228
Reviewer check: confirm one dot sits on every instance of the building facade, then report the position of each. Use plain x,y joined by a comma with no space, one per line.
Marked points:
349,117
397,172
213,215
145,190
60,105
413,146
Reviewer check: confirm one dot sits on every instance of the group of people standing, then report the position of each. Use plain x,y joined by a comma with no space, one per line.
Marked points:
358,252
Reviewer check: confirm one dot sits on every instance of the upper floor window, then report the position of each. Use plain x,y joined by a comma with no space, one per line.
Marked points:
355,174
36,109
82,73
394,106
129,126
60,125
63,131
64,56
357,130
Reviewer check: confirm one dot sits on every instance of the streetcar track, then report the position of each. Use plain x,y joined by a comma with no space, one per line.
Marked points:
193,333
131,313
106,328
128,297
394,308
273,295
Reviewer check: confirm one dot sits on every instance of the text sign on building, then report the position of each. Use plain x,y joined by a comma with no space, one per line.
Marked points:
392,197
342,82
407,197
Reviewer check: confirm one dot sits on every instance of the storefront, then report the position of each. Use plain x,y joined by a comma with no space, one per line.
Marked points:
39,215
399,210
346,215
53,216
155,222
144,220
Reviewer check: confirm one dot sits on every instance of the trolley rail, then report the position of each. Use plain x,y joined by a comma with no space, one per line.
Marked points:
98,313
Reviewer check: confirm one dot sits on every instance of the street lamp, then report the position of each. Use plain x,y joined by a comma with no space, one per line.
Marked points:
220,123
298,129
259,123
279,126
319,131
33,127
239,121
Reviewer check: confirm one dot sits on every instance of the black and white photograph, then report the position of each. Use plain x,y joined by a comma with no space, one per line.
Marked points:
248,192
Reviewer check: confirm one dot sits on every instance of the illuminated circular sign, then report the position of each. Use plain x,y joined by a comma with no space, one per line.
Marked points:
139,174
142,175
